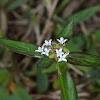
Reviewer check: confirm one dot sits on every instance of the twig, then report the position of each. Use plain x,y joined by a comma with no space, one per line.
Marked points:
19,22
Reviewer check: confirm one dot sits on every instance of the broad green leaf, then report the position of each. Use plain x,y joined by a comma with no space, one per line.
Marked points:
42,80
83,59
61,5
70,88
20,47
83,15
67,32
21,93
45,62
4,96
15,4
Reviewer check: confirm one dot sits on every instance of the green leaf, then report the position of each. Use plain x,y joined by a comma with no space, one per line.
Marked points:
20,47
67,32
70,88
4,96
83,15
45,62
42,80
21,93
83,59
15,4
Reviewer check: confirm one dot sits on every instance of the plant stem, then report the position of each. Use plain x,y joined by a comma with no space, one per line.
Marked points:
62,82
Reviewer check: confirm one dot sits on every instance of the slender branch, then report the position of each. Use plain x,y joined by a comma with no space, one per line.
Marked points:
62,82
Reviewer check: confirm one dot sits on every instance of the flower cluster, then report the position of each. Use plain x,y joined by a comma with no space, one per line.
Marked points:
55,50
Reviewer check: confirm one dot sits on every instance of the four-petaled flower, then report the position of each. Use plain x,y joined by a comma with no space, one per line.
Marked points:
40,49
62,40
46,52
47,43
59,52
62,58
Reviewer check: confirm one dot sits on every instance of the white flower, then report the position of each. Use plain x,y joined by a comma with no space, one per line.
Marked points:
59,52
63,58
47,43
40,49
46,51
62,40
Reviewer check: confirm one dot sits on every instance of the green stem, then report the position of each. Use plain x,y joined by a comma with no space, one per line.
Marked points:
62,82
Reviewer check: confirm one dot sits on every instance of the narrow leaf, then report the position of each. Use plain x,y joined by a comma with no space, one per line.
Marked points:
83,59
67,32
70,88
20,47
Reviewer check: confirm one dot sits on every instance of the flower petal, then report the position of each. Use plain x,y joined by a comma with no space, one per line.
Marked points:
65,40
61,39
